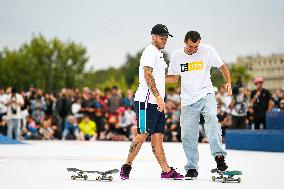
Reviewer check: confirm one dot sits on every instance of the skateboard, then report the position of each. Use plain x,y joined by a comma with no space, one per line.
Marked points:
106,175
226,176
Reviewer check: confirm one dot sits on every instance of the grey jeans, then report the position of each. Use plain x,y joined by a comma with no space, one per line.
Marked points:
14,126
190,116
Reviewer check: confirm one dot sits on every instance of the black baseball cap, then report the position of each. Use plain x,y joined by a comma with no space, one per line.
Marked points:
161,30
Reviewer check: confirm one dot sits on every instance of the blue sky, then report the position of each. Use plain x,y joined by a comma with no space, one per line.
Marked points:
111,29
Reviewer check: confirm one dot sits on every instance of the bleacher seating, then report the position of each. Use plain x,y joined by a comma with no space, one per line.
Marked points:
271,139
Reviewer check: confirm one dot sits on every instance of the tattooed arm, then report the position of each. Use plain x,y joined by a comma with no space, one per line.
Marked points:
148,74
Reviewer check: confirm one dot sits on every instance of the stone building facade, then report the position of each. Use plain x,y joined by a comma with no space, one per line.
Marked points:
271,68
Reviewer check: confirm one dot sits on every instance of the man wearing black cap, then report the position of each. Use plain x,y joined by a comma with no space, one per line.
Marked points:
149,104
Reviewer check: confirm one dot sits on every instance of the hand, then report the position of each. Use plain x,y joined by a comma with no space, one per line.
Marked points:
229,89
161,104
257,94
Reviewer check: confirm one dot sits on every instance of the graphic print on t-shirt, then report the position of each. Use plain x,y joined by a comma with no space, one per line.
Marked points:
187,67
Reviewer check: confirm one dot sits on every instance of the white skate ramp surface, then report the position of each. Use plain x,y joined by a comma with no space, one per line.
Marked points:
42,165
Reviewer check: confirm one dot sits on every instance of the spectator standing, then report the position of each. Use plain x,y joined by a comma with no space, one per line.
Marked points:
76,107
87,103
3,111
99,112
277,96
239,108
261,102
50,102
115,101
63,107
14,102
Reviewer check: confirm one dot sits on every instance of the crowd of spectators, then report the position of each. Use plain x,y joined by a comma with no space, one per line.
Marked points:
91,114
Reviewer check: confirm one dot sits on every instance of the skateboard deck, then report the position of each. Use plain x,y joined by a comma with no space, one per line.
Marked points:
226,176
104,175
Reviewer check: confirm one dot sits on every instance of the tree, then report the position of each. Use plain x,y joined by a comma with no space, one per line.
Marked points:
217,77
125,77
47,64
239,73
130,68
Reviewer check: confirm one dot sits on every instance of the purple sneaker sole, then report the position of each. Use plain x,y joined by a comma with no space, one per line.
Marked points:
172,175
172,178
124,177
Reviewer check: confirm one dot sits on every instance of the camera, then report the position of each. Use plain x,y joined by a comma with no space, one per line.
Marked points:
240,108
14,110
14,107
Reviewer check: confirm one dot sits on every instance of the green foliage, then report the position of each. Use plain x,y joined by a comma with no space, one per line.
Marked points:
47,64
130,68
105,78
240,73
217,77
125,77
53,64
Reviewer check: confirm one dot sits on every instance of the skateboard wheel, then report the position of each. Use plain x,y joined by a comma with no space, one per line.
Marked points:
239,180
223,179
98,178
73,177
110,178
85,177
213,178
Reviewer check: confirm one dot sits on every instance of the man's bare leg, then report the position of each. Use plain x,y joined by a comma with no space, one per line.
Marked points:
135,146
158,151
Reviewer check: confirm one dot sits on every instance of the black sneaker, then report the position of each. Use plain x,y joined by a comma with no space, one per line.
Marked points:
191,174
221,164
124,171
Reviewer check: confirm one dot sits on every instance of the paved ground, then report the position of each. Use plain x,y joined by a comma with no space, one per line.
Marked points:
42,164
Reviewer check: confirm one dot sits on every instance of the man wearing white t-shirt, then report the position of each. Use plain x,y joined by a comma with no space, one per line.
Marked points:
14,102
192,63
149,104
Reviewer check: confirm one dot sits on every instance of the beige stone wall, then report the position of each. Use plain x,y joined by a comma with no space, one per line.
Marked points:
271,68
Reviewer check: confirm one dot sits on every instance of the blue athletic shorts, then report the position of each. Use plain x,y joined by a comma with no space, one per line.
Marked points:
149,119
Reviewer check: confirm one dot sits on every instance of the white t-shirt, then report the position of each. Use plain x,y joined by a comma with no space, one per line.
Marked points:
174,97
17,113
226,100
194,71
153,58
75,108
